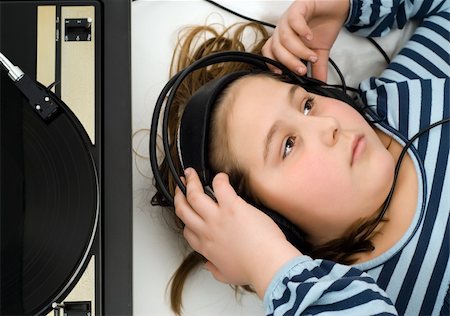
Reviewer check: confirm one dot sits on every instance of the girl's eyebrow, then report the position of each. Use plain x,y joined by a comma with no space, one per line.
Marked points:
275,126
291,93
269,139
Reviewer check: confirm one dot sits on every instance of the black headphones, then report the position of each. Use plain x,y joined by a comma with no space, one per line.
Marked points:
193,134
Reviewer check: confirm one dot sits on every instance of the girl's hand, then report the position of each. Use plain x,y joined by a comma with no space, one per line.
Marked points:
307,30
243,245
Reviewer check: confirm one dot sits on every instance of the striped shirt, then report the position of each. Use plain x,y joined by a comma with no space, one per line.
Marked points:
412,93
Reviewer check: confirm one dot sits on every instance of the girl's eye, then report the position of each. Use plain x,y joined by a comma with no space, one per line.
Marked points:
309,104
288,146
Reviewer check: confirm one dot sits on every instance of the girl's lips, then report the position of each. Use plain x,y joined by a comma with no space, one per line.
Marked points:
357,148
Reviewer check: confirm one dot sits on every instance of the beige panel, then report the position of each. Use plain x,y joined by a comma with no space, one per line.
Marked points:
78,70
46,45
85,288
77,91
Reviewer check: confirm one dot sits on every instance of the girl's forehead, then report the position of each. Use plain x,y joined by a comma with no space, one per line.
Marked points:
261,86
251,113
257,79
255,87
260,90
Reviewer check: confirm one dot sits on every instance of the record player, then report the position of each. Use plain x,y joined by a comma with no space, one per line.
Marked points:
65,176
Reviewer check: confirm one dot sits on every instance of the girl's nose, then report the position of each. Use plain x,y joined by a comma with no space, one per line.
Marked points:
327,129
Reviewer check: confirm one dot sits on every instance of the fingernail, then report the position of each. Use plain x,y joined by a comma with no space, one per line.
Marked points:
187,172
308,37
301,70
312,58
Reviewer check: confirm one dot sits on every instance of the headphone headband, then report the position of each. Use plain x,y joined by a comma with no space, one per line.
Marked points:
201,106
193,140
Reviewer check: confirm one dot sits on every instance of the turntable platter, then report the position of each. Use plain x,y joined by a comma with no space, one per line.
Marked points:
59,206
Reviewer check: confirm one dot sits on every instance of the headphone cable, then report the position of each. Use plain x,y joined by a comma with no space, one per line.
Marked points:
398,165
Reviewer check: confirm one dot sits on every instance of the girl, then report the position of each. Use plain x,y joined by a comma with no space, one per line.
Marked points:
320,164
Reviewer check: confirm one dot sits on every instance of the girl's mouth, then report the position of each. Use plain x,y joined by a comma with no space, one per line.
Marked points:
357,148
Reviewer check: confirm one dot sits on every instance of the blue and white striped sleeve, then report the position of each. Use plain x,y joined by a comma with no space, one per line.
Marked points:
319,287
426,55
422,67
372,18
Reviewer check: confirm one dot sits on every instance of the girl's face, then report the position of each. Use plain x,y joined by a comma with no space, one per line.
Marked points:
313,159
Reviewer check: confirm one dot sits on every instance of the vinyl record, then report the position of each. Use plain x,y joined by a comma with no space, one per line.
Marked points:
54,201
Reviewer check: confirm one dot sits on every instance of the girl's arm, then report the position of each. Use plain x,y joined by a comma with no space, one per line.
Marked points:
426,54
372,18
309,28
306,286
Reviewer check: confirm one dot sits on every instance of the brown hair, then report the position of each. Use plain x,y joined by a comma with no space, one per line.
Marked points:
193,44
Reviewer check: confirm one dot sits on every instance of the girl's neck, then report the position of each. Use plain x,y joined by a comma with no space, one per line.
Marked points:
402,207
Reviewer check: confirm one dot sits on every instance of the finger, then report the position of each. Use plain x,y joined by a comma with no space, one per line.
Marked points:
224,192
293,36
177,188
179,199
296,46
215,272
186,213
300,27
319,70
291,61
289,55
195,194
273,50
192,238
266,50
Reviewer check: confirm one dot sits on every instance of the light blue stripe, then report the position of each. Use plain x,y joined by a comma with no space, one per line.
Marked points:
432,57
415,90
426,269
364,309
446,279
